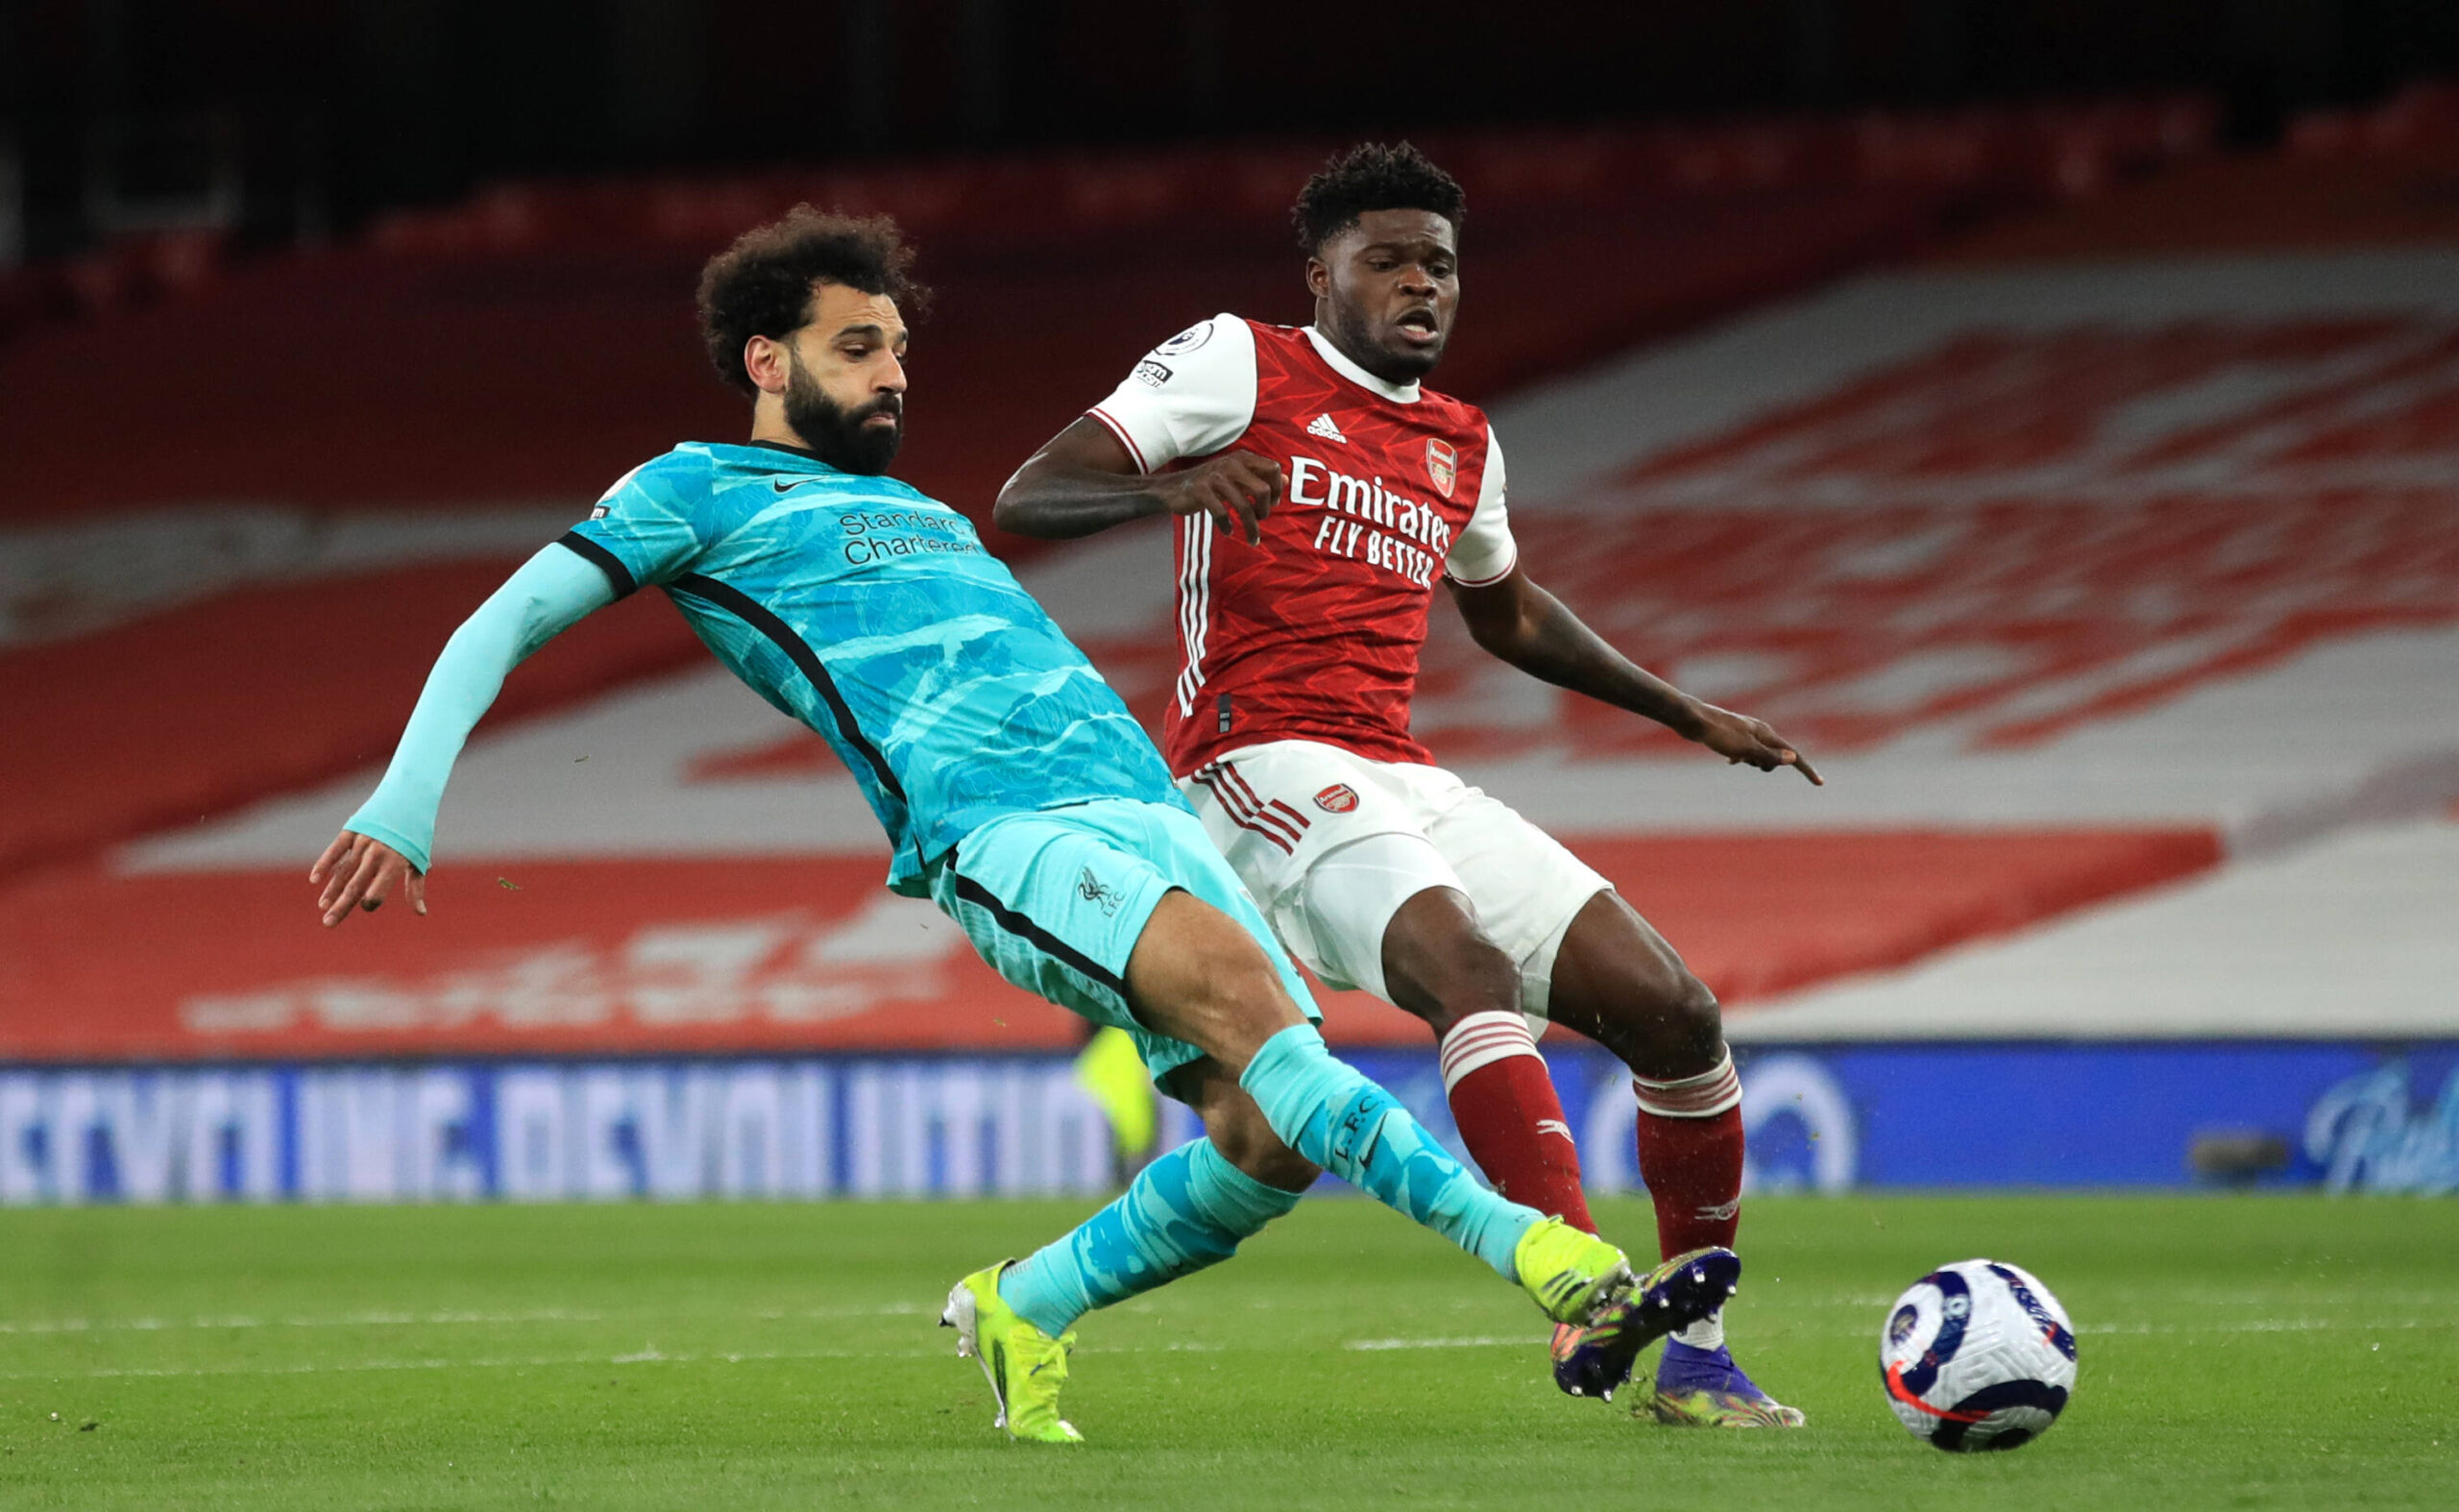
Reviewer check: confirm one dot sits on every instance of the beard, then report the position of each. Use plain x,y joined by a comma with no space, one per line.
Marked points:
1353,333
842,437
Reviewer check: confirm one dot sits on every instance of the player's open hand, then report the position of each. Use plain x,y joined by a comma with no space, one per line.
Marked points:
1238,489
357,872
1739,739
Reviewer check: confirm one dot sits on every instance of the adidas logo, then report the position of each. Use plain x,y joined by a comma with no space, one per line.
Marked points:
1321,426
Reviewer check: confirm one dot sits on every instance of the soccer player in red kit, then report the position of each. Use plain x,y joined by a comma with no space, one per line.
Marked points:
1321,492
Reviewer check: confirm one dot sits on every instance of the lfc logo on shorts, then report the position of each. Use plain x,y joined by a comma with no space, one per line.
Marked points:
1099,894
1338,798
1443,465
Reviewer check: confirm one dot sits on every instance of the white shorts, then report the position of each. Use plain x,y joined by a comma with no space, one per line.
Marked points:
1291,816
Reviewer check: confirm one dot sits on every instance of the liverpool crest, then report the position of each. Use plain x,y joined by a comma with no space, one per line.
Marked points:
1443,465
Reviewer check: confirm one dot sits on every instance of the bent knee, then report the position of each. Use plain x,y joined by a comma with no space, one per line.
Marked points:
1691,1012
1673,1028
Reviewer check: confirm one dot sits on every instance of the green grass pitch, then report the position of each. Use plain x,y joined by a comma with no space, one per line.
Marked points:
2236,1352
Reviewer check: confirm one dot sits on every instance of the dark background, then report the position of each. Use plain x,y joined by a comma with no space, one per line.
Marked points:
296,119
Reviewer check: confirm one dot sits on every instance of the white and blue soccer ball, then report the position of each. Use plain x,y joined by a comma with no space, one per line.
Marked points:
1977,1356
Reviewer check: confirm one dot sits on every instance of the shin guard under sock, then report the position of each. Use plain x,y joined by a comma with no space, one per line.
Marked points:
1330,1113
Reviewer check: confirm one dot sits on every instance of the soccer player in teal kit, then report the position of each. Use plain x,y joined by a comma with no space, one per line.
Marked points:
1017,793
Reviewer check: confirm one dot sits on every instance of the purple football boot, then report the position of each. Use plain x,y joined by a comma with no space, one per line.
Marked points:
1705,1389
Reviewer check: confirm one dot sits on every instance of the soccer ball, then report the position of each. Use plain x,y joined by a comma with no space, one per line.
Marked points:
1976,1356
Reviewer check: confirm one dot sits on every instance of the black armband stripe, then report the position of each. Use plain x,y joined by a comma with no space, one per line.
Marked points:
618,575
751,612
1018,924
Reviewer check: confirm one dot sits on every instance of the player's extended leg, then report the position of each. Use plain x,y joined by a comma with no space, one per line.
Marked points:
1278,1108
1199,977
1204,978
1074,906
1617,980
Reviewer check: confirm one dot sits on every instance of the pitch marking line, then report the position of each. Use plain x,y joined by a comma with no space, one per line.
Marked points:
364,1320
650,1354
649,1357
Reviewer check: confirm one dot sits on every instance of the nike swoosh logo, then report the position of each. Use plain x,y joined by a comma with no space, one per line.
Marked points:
782,487
1038,1368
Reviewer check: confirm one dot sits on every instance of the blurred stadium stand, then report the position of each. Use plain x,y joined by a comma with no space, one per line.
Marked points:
477,369
378,373
2085,498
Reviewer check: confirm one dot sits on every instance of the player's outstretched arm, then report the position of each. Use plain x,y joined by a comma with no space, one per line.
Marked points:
1083,482
1531,628
389,839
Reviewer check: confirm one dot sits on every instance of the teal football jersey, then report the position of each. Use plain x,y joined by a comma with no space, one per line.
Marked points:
871,613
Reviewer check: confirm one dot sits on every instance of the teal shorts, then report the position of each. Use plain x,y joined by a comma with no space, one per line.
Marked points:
1054,900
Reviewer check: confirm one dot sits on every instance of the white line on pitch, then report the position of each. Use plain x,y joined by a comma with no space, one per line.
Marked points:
367,1320
647,1356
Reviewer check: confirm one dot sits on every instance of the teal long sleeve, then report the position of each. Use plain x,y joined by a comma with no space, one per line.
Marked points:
550,593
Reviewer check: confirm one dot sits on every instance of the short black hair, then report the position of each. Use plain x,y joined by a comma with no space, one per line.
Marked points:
1374,176
762,285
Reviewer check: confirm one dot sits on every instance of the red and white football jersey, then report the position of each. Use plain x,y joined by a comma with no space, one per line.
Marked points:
1315,634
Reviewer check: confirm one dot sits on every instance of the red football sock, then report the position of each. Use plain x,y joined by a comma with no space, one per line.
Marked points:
1689,1137
1503,1101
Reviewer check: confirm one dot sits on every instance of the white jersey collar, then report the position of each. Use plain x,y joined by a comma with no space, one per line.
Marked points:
1400,393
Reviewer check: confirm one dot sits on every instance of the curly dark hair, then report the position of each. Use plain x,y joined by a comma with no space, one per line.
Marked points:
762,285
1373,175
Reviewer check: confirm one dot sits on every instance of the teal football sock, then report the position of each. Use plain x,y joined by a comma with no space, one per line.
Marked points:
1185,1211
1330,1113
